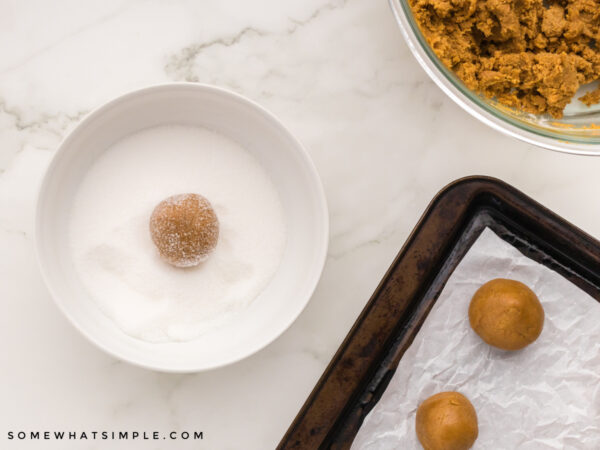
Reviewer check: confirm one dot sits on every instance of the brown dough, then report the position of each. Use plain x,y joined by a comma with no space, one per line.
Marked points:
506,314
185,229
529,54
447,421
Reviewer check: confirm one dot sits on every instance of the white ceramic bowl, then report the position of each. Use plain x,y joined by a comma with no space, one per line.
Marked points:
281,155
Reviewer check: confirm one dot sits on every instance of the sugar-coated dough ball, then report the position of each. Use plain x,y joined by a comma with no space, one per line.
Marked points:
185,229
506,314
447,421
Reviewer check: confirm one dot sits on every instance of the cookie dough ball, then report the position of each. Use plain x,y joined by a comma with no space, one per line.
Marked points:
506,314
447,421
185,229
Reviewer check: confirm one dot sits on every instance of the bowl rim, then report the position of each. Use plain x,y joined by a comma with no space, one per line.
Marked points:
457,94
321,210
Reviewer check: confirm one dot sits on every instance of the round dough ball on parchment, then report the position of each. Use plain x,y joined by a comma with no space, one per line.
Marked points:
506,314
447,421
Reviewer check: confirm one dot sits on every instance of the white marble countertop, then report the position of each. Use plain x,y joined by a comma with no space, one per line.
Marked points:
384,138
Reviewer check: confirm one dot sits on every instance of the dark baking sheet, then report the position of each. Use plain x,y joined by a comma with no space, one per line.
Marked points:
363,365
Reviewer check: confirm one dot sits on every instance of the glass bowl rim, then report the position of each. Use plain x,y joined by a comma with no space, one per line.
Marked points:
473,103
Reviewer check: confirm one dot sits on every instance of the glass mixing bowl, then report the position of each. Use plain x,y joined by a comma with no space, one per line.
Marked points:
577,132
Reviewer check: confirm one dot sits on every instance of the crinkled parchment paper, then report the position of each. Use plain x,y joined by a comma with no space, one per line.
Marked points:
546,396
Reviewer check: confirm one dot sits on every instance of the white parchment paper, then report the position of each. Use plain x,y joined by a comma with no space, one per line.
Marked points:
546,396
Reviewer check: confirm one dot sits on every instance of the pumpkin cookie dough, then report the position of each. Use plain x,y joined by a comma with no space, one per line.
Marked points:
185,229
447,421
506,314
529,54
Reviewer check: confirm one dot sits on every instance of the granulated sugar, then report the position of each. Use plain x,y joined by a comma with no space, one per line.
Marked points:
113,252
